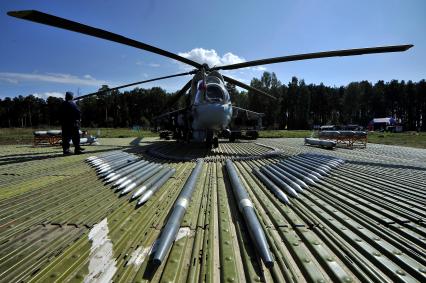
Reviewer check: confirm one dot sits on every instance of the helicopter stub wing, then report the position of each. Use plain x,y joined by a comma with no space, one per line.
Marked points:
169,120
169,114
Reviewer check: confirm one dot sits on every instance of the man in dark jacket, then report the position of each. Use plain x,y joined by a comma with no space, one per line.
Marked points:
70,120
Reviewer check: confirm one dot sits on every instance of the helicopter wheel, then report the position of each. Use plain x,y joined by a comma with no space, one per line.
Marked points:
215,142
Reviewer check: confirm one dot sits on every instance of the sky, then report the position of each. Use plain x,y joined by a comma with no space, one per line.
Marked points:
42,60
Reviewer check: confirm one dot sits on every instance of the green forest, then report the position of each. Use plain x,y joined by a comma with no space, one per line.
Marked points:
299,105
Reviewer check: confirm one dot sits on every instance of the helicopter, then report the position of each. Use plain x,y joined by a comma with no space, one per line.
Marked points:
208,113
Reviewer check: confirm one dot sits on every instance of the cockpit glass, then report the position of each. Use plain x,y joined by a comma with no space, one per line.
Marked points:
214,92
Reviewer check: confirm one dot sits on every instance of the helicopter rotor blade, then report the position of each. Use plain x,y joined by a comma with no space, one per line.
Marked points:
325,54
247,87
47,19
132,84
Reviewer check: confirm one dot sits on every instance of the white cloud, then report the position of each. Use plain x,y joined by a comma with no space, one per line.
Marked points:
153,65
9,80
45,95
86,80
212,58
230,58
259,68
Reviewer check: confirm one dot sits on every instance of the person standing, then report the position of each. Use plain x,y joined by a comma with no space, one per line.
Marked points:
70,122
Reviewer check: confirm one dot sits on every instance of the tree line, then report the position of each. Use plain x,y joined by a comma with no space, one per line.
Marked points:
298,105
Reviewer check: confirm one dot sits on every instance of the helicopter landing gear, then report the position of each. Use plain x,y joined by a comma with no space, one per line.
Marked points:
211,140
215,142
234,135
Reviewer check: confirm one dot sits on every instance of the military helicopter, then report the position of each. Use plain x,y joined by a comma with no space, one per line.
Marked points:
209,112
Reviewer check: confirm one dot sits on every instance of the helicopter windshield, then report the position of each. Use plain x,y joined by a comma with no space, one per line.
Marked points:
214,93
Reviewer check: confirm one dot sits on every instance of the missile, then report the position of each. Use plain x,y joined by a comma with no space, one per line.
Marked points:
247,210
320,162
107,158
154,185
305,159
130,174
324,162
302,169
283,185
115,163
125,169
96,162
123,162
289,176
156,172
327,159
133,182
168,234
298,181
108,164
300,162
286,179
271,186
302,175
94,157
125,188
116,169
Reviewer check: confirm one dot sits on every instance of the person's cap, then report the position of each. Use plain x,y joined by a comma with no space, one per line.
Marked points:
69,95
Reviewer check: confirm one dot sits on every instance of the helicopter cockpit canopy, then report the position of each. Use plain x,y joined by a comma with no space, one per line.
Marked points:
213,91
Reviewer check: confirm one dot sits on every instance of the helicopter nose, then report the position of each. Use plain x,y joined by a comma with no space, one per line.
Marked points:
213,115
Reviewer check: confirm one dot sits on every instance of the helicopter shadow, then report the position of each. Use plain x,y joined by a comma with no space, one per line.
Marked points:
180,151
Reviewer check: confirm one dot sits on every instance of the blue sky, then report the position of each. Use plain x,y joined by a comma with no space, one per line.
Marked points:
42,60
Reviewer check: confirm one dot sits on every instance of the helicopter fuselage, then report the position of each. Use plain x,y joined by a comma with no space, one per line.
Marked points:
211,107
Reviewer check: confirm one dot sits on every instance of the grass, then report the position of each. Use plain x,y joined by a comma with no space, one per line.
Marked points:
285,134
120,133
410,139
25,135
16,135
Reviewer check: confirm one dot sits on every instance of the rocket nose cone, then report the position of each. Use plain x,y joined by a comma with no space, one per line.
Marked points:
145,198
119,181
123,185
282,196
109,175
139,192
293,193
